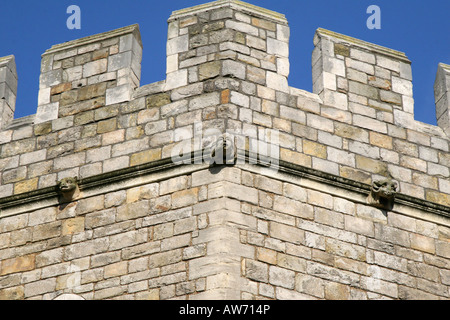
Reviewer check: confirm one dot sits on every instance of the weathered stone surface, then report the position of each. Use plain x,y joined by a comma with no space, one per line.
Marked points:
158,100
209,70
144,227
19,264
95,67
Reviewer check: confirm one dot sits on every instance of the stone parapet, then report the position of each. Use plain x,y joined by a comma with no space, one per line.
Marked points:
8,90
88,73
231,39
442,97
349,74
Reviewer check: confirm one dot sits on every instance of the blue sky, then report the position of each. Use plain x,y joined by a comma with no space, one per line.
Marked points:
419,28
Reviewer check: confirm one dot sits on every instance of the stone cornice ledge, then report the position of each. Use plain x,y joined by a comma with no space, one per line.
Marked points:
352,190
165,169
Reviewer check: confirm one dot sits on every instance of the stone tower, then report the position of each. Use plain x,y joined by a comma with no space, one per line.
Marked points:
222,181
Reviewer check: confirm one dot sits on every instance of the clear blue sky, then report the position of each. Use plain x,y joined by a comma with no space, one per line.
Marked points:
419,28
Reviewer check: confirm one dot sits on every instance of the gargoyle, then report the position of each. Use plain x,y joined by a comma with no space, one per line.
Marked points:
223,151
382,194
69,188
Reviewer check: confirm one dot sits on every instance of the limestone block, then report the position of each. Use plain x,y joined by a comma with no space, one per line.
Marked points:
404,119
257,75
336,99
402,86
47,112
209,70
442,96
75,75
22,133
173,29
256,270
19,264
65,54
69,161
363,90
286,236
388,63
118,94
286,233
204,101
129,42
51,78
129,147
283,66
8,73
40,287
340,156
428,154
292,114
277,82
356,75
18,147
94,67
368,123
119,61
6,115
240,99
242,27
281,277
172,63
256,42
408,104
182,93
176,79
177,45
283,32
362,56
318,122
360,66
391,97
333,65
405,71
324,80
46,63
33,157
233,68
277,47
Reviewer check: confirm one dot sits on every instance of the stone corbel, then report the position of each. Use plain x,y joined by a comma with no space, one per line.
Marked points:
223,151
68,188
382,194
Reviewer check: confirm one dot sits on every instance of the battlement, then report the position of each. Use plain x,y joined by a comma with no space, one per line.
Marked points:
227,71
228,66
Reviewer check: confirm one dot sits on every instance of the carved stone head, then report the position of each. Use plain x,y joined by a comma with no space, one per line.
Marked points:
223,151
383,193
68,188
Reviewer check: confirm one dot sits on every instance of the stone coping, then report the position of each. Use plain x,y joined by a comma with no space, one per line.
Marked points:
95,38
6,60
444,66
234,4
360,43
21,122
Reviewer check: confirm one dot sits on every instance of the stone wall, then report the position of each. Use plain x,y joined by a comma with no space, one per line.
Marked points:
144,226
